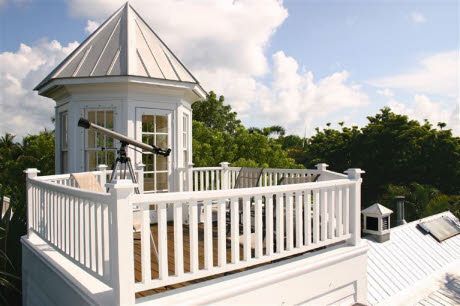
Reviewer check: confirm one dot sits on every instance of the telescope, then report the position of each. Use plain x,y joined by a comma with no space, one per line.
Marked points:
123,162
86,124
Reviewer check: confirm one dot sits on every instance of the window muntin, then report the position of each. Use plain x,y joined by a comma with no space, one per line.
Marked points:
155,132
99,149
64,134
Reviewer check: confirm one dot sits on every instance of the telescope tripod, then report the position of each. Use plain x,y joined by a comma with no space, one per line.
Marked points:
123,163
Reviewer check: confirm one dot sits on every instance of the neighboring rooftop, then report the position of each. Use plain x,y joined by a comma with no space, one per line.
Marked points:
124,45
412,265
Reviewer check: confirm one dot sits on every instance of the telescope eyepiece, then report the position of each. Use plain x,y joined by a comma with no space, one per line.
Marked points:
84,123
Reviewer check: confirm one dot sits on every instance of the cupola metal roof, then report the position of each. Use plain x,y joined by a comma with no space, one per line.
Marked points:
124,45
377,210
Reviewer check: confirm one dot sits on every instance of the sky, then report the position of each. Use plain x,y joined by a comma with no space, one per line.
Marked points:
299,64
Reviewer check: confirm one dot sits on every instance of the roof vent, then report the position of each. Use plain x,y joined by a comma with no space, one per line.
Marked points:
377,222
400,210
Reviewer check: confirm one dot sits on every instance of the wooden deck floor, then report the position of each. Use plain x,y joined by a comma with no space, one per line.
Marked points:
186,244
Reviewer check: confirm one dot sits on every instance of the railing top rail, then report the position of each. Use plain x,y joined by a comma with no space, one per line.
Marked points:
206,168
61,176
158,198
71,191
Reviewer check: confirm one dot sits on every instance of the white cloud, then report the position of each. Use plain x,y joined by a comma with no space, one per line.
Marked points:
209,35
23,111
417,17
385,92
91,26
294,99
422,107
435,74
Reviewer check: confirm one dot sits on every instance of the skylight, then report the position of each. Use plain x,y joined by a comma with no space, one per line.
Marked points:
441,228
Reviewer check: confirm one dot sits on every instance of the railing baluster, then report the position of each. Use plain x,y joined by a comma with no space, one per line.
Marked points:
193,225
208,254
338,211
98,240
307,216
162,242
212,180
218,175
105,241
323,211
93,235
201,181
206,180
221,239
235,229
258,226
346,211
145,243
247,228
178,240
289,222
269,224
331,213
316,208
195,180
279,223
298,220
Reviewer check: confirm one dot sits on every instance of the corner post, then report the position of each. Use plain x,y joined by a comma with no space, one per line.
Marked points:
30,173
322,167
103,176
121,247
355,205
140,176
225,175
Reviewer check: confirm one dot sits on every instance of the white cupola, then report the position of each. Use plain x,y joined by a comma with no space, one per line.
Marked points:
125,78
377,221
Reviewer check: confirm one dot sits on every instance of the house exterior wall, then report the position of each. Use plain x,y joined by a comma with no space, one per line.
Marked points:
321,278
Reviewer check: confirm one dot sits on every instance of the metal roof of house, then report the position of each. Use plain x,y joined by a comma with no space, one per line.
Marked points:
124,45
408,258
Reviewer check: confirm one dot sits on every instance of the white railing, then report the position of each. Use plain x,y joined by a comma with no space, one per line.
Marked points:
224,177
73,221
267,223
240,227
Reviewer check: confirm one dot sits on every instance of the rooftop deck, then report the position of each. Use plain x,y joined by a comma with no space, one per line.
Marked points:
187,237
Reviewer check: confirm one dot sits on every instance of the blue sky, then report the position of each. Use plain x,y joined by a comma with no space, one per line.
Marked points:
375,49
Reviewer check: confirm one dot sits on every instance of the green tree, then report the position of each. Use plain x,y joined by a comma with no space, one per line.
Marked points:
214,114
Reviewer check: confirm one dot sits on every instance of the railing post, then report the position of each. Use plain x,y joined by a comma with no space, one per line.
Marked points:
103,176
121,242
225,175
189,175
30,173
355,205
322,166
140,177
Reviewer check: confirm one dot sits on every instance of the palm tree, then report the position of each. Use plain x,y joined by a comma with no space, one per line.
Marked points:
274,130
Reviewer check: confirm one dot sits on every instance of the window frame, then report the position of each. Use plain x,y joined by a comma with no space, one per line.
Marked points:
107,150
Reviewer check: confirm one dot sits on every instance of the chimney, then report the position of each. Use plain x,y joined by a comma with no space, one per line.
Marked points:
377,222
400,210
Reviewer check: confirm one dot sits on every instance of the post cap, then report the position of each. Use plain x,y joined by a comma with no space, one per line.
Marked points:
321,166
224,164
31,170
121,184
102,167
354,173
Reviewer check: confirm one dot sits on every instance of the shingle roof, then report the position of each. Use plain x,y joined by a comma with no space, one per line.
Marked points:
410,256
124,45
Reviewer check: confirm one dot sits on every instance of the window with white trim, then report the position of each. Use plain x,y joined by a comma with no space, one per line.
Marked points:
99,149
155,132
63,122
185,140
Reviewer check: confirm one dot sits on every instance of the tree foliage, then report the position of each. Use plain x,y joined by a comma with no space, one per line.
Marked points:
35,151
